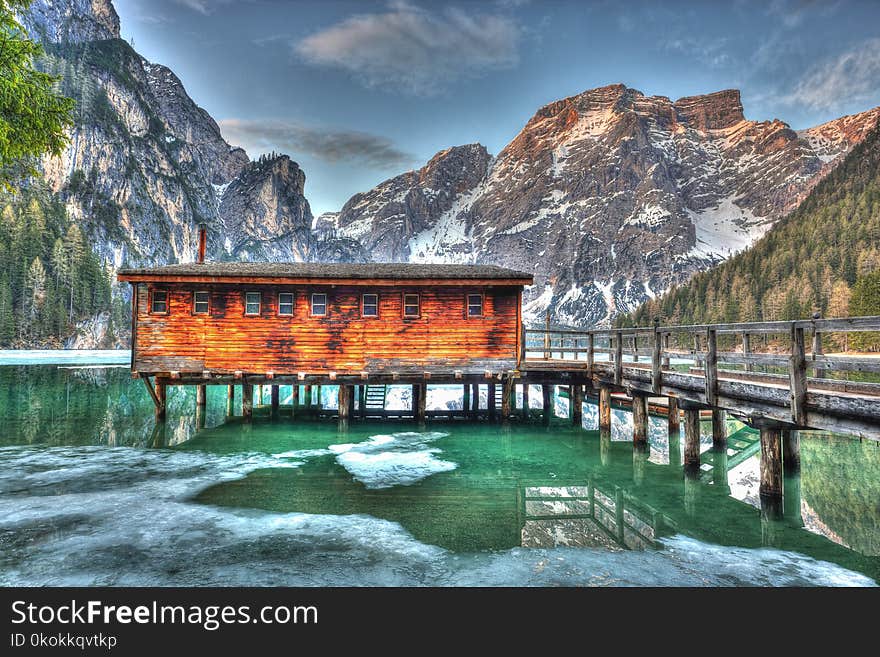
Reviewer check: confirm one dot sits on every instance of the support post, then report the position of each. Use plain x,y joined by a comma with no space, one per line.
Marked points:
475,399
791,451
526,412
276,400
719,429
798,372
604,409
506,389
672,416
247,401
307,395
362,400
546,393
665,361
161,396
420,393
294,399
547,336
817,351
591,353
656,369
640,420
747,349
618,358
201,395
465,397
692,441
490,400
711,367
771,464
577,405
344,402
696,350
230,400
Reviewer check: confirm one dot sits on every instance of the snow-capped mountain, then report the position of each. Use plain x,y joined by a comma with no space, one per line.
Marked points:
608,197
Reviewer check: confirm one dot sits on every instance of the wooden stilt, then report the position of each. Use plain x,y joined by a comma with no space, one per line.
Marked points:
419,396
161,398
791,451
276,399
230,400
201,395
307,395
547,397
577,405
719,429
247,401
672,415
640,420
490,401
362,400
475,399
344,404
294,400
525,401
506,388
692,441
465,397
320,400
771,463
604,409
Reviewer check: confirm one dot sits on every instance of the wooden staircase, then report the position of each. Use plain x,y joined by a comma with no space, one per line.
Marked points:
374,397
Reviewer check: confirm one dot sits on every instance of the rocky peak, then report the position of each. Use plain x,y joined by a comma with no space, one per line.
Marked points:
715,111
264,212
71,21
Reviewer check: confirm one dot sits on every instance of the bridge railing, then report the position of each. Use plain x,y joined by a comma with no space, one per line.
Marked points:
790,357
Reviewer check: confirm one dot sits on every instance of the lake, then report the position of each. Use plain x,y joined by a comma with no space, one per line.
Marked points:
93,492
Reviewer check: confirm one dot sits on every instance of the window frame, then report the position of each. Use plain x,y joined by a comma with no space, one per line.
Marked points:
363,305
195,303
418,305
326,304
167,294
259,302
467,305
292,304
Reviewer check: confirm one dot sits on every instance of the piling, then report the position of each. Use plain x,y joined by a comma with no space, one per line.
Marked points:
490,401
465,397
791,451
640,420
672,412
276,400
247,401
307,395
771,464
294,400
201,395
344,405
230,400
525,401
692,441
546,393
475,400
506,391
604,409
577,405
419,395
719,429
161,396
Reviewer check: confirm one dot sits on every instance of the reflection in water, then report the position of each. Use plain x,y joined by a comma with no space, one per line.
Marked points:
313,502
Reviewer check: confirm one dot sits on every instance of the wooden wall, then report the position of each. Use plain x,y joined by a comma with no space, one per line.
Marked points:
441,338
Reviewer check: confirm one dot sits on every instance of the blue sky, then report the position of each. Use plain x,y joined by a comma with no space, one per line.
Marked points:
357,92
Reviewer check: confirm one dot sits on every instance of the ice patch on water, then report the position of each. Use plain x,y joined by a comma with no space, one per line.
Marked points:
123,517
399,459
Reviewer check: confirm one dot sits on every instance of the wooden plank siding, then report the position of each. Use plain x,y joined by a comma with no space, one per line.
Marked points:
343,341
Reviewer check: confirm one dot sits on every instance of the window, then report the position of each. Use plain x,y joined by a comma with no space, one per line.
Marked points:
475,305
285,303
370,305
159,303
319,304
201,302
411,305
252,303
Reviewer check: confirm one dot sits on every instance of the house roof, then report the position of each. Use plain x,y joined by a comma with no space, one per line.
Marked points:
354,273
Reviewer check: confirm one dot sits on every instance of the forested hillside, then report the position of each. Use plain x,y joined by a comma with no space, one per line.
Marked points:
823,257
49,276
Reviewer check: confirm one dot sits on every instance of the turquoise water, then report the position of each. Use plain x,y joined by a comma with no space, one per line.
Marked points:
93,492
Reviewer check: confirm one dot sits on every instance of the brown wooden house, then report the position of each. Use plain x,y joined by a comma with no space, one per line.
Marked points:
284,319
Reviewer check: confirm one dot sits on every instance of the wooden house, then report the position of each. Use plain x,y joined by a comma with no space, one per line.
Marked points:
204,320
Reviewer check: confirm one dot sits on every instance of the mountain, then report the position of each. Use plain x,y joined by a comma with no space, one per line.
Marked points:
823,257
146,164
610,196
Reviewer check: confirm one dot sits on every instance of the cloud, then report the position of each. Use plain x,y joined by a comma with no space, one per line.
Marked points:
853,76
204,7
415,50
709,51
328,145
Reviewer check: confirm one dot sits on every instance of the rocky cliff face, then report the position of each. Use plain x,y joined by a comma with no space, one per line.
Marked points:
609,196
146,165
